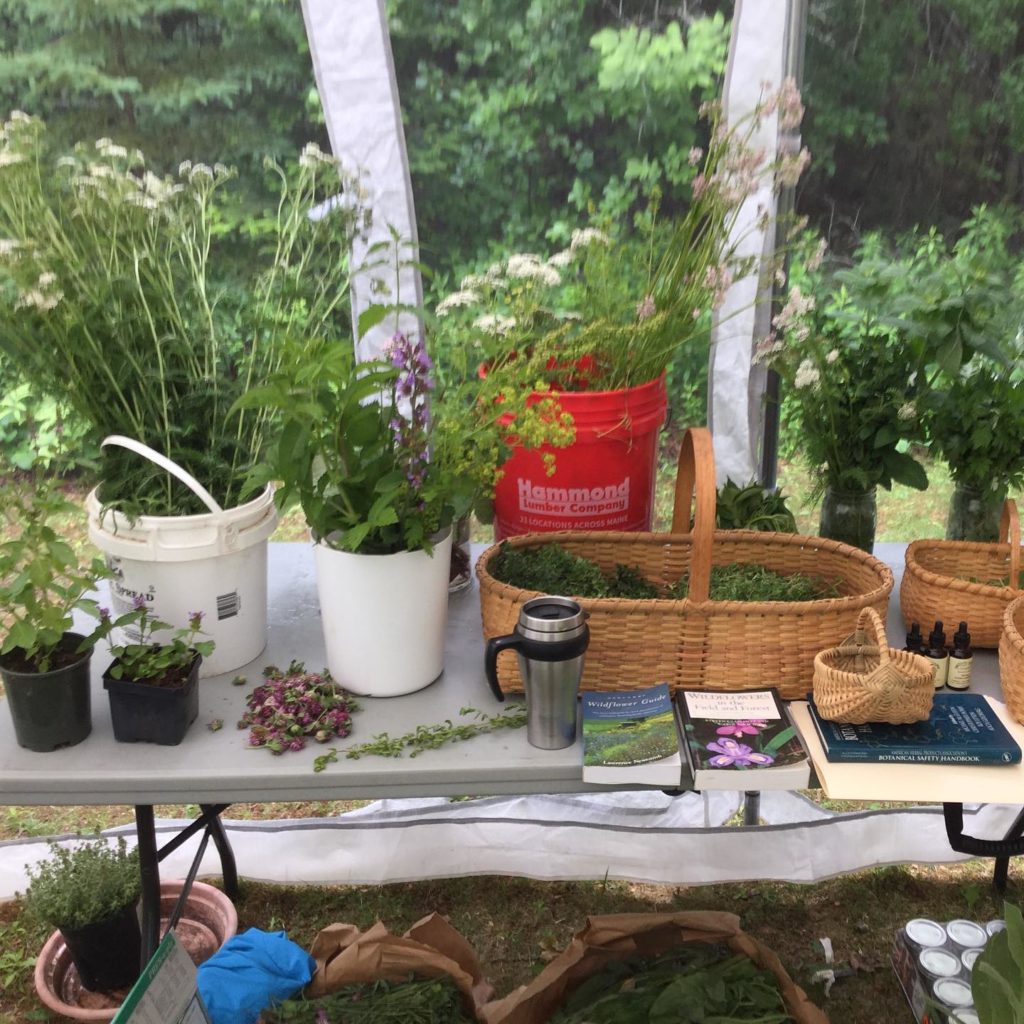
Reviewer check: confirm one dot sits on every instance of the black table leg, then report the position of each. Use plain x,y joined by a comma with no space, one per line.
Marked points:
228,869
149,870
1011,845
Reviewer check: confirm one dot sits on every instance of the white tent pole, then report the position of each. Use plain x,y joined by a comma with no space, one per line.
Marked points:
762,36
355,74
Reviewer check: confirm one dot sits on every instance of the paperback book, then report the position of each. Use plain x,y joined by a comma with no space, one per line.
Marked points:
963,728
741,740
631,737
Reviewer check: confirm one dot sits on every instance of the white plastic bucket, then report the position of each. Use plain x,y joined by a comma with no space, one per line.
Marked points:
215,562
384,617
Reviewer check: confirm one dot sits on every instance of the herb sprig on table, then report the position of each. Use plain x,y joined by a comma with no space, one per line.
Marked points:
691,983
415,1001
429,737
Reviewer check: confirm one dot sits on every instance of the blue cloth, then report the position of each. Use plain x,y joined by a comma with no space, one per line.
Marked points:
251,971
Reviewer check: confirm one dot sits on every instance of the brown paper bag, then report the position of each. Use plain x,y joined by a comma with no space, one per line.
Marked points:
618,936
430,948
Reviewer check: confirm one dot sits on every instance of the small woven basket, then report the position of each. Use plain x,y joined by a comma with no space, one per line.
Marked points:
1011,659
865,680
963,581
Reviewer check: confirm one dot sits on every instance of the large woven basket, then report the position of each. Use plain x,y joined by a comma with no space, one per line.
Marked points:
695,642
1011,658
865,680
961,581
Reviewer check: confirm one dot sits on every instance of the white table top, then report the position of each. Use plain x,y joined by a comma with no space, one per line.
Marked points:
218,767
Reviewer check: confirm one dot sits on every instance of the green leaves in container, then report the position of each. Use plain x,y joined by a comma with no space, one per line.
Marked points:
997,981
752,508
42,578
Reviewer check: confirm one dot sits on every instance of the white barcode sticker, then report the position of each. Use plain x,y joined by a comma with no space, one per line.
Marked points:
228,605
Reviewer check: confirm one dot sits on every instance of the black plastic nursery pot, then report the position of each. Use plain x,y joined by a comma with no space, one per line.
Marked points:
151,713
51,709
107,953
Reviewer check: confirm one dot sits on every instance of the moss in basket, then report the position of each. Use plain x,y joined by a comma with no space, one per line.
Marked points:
84,885
738,582
549,569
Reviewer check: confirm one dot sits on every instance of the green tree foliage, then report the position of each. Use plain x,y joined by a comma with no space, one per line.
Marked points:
524,119
916,110
225,80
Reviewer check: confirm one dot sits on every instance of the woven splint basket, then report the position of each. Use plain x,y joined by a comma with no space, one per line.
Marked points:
964,581
865,680
696,642
1011,658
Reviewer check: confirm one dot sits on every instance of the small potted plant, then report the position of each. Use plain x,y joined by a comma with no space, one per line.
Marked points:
89,893
43,663
153,685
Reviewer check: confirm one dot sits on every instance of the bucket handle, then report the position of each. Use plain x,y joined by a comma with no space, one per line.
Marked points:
171,467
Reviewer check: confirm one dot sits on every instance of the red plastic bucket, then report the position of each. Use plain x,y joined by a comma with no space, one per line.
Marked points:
603,481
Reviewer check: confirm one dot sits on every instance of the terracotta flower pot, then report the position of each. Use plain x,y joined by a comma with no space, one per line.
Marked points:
208,921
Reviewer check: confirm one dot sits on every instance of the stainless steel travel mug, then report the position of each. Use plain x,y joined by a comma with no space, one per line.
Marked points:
550,640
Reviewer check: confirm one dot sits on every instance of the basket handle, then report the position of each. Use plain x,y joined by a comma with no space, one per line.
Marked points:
870,619
171,467
1009,533
695,476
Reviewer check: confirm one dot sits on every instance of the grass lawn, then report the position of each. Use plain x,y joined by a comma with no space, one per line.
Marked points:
516,925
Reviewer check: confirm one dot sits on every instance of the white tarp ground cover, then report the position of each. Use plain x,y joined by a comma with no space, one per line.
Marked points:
643,836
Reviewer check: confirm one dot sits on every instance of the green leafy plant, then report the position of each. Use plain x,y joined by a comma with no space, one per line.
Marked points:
146,659
694,982
113,295
42,579
611,310
997,981
82,885
752,508
357,450
412,1001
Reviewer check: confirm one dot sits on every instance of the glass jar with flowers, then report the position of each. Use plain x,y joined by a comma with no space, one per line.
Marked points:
382,463
591,330
853,376
152,683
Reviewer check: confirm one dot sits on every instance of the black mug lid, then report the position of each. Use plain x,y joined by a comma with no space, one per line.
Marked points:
551,614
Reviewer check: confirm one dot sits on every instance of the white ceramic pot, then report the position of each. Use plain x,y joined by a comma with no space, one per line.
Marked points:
384,617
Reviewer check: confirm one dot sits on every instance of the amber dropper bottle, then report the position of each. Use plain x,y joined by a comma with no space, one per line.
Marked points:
938,655
961,658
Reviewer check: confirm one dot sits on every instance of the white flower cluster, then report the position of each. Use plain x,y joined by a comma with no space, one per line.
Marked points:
313,156
582,237
528,266
792,318
807,375
464,297
43,297
494,323
561,259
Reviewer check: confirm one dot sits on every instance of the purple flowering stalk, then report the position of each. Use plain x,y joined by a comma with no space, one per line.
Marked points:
411,392
293,706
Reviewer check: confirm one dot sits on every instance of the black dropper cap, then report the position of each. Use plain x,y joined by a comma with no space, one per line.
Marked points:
961,638
914,638
937,638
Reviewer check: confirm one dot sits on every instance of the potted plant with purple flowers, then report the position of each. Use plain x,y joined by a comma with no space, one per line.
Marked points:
153,685
381,479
